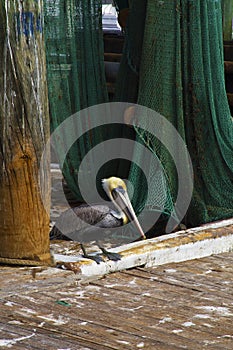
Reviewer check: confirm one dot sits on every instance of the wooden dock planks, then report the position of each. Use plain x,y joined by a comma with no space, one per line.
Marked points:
185,305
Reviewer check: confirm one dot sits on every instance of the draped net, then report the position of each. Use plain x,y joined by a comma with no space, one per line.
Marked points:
75,72
172,63
181,76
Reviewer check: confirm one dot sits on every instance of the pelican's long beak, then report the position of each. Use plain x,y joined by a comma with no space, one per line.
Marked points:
122,200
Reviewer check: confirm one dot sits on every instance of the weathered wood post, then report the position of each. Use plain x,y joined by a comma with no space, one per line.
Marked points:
24,129
227,9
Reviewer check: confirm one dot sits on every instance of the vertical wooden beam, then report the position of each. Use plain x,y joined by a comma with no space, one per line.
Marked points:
24,129
227,9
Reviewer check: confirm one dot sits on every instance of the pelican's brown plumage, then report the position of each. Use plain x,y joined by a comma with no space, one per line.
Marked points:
99,216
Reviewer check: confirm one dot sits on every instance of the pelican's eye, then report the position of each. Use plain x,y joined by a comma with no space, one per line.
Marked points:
117,190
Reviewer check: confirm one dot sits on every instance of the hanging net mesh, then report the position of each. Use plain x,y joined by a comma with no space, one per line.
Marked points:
172,63
181,76
75,72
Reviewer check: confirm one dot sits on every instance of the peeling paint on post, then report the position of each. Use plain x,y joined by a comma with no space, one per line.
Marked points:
24,129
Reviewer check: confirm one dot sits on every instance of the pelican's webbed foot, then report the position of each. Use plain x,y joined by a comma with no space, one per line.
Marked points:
97,258
110,255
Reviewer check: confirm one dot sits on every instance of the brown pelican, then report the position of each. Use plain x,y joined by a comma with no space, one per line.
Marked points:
100,217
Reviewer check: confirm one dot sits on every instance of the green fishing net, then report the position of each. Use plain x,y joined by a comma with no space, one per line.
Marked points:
172,63
75,72
181,76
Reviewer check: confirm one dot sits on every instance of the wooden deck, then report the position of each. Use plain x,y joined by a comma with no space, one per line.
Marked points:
186,305
147,300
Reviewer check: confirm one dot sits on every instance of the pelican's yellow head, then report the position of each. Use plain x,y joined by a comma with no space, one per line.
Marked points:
116,190
111,184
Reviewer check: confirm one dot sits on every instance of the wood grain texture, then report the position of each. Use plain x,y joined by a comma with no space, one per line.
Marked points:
184,305
24,129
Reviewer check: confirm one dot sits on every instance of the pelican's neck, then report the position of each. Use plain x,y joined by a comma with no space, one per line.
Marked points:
120,215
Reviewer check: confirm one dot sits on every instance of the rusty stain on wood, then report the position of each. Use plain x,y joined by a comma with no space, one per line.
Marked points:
24,130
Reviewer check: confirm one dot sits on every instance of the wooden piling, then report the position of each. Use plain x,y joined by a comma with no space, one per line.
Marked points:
24,130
